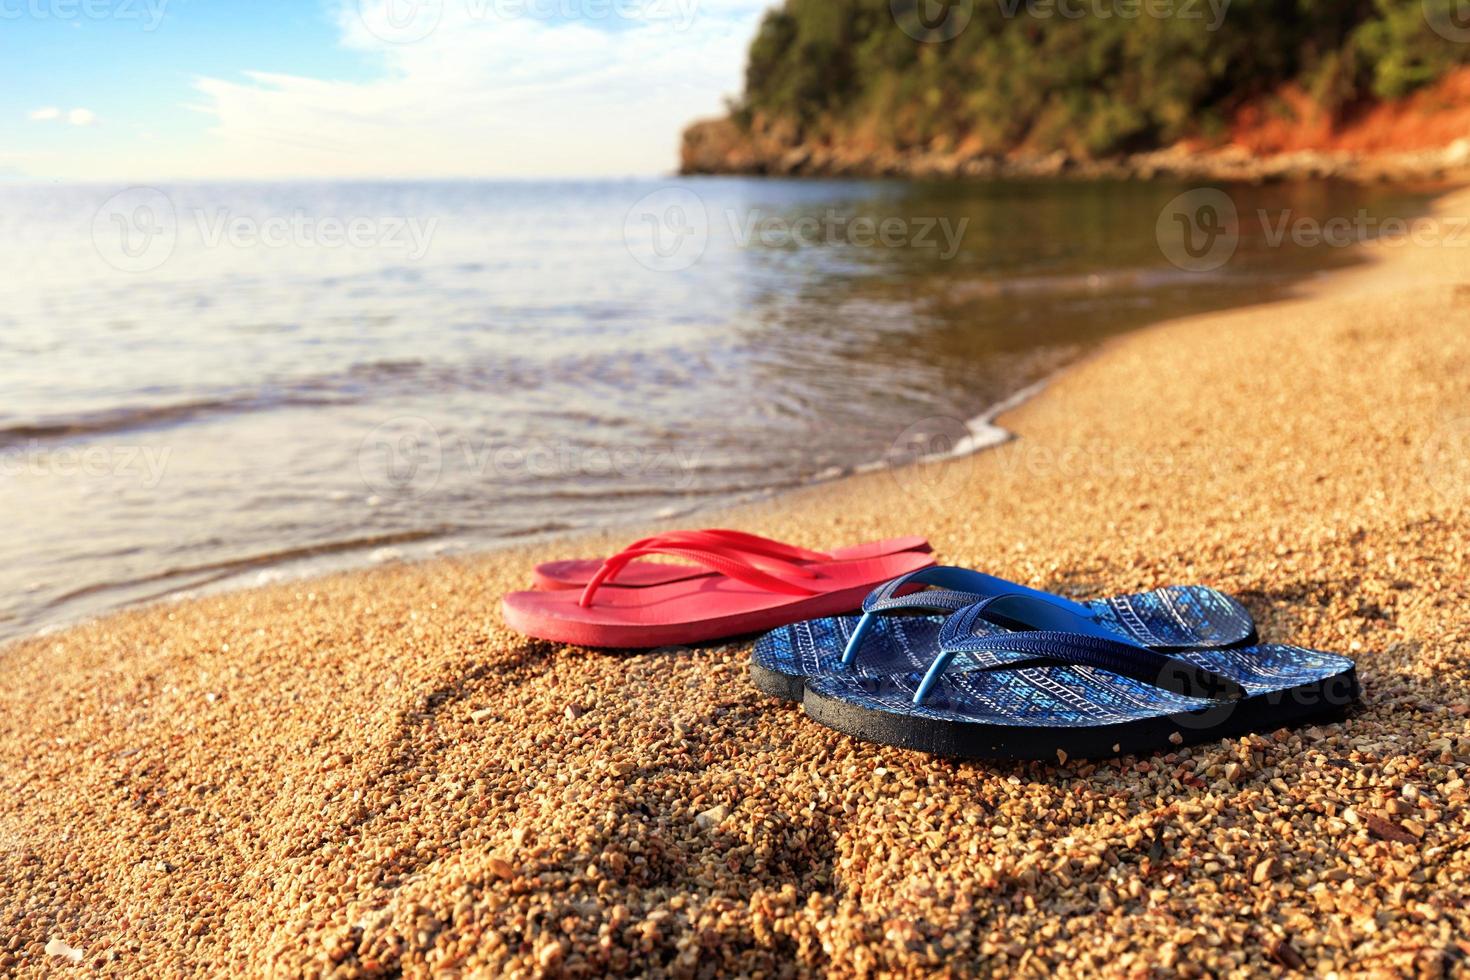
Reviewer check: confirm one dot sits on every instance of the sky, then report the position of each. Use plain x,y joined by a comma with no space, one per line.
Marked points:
127,90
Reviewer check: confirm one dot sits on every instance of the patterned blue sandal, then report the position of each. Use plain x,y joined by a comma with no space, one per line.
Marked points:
1033,695
1171,618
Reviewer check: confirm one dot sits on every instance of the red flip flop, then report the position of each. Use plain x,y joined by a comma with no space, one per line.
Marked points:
733,598
575,573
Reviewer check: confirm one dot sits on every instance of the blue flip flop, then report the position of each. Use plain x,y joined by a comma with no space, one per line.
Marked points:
1087,693
1174,617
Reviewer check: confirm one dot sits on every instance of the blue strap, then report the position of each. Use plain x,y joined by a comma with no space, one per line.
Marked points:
960,587
885,598
1060,648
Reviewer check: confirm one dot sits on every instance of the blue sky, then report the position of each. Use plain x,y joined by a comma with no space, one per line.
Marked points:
207,89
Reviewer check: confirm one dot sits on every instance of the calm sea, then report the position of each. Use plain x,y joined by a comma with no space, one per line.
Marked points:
208,384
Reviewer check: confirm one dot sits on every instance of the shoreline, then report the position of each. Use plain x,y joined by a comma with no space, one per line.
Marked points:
365,773
719,147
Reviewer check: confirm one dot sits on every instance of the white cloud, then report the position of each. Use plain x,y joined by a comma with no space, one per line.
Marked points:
471,88
77,117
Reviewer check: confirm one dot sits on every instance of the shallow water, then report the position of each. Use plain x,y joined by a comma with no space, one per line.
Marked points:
224,383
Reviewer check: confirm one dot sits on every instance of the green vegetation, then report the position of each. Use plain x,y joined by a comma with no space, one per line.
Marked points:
1054,74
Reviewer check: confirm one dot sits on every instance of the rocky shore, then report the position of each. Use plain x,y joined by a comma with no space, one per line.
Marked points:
721,146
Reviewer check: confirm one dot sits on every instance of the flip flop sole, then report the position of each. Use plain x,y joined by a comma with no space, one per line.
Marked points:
879,710
1174,617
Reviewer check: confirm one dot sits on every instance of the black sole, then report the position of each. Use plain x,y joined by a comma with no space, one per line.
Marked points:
778,685
1325,699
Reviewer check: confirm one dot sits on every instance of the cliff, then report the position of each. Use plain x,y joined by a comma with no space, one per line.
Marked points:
1262,90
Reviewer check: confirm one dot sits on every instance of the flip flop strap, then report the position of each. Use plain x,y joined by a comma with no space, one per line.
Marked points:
958,588
1040,648
719,537
886,598
784,564
718,561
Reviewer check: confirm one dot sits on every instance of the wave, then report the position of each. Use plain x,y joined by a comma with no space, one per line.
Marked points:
339,388
206,572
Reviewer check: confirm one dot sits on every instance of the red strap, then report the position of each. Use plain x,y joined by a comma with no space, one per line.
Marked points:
723,561
717,539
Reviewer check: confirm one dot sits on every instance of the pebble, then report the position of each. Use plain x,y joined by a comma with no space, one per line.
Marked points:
57,948
712,817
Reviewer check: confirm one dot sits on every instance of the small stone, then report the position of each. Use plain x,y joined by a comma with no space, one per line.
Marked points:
1282,952
712,817
575,711
1176,739
58,948
500,868
1264,871
1232,772
480,714
1386,829
1061,757
549,955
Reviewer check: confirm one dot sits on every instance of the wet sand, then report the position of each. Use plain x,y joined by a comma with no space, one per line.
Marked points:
367,774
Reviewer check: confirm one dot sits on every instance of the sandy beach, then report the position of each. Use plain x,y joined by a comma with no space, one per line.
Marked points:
369,775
